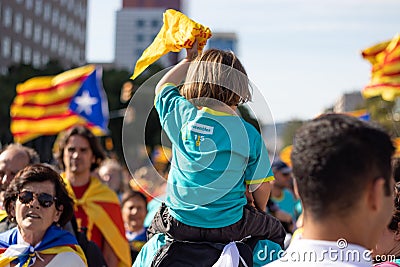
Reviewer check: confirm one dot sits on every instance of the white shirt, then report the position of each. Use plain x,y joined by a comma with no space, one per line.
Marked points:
307,252
65,259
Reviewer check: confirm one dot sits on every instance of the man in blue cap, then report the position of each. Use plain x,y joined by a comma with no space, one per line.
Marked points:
281,193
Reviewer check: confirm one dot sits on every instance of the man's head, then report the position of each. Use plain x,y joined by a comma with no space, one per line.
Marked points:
336,159
79,151
282,174
111,173
14,158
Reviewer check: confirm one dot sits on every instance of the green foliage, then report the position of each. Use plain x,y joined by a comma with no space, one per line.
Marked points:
383,112
247,116
290,130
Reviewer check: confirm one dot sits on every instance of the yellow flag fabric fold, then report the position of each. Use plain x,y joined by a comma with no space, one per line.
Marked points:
94,202
177,32
385,73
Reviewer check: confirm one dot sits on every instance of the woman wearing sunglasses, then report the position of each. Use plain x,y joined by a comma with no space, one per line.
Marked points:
39,204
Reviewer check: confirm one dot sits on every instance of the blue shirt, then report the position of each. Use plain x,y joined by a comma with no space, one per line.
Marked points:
214,155
287,203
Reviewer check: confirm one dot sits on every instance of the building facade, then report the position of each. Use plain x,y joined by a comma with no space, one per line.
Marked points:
223,41
138,23
37,31
349,102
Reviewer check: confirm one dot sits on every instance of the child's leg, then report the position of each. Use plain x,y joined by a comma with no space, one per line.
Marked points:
260,225
163,222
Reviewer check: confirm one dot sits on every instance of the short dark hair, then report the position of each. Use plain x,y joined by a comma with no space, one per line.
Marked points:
394,222
131,194
334,158
94,144
396,169
40,173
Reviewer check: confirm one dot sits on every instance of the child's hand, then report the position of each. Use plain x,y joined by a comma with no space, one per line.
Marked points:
191,53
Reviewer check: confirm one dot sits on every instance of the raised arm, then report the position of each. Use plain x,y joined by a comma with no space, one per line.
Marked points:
260,194
178,72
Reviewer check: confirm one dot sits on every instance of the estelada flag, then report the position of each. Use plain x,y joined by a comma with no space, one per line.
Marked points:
177,32
362,114
48,105
385,73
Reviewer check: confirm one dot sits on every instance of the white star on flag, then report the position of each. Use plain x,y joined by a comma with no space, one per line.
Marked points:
85,102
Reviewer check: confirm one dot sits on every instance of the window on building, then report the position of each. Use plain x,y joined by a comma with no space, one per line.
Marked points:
61,47
29,4
140,23
70,5
70,27
18,23
45,59
46,38
38,7
69,50
54,42
17,52
139,37
20,1
82,37
6,47
27,57
7,19
138,52
55,17
47,11
83,13
28,28
76,55
37,33
63,22
63,2
36,59
155,23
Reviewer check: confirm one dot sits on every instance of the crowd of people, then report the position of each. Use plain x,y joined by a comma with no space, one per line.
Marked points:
331,205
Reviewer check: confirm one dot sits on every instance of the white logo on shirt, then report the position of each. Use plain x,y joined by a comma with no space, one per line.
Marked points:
200,128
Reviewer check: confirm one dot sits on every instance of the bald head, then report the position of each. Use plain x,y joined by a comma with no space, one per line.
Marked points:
12,160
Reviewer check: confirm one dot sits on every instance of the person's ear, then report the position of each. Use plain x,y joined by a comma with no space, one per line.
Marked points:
376,194
59,211
12,209
397,232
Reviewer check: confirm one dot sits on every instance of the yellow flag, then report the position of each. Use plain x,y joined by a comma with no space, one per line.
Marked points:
177,32
385,73
285,155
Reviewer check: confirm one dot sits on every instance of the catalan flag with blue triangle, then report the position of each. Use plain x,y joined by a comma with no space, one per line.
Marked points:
50,104
54,241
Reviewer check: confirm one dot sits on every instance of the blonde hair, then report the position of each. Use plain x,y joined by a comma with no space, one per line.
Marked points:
216,75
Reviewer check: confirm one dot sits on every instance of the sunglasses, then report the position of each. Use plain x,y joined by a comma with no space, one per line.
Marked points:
45,200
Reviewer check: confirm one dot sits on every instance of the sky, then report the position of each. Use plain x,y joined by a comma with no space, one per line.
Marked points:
301,55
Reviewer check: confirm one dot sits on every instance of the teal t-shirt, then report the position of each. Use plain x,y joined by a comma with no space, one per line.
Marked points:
265,252
287,203
214,155
149,250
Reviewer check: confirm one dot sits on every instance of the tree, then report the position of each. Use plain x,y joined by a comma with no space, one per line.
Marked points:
290,130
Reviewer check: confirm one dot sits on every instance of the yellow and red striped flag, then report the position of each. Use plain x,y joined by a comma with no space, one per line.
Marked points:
50,104
385,73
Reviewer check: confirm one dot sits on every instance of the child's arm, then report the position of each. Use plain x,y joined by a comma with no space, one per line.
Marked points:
260,194
178,72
